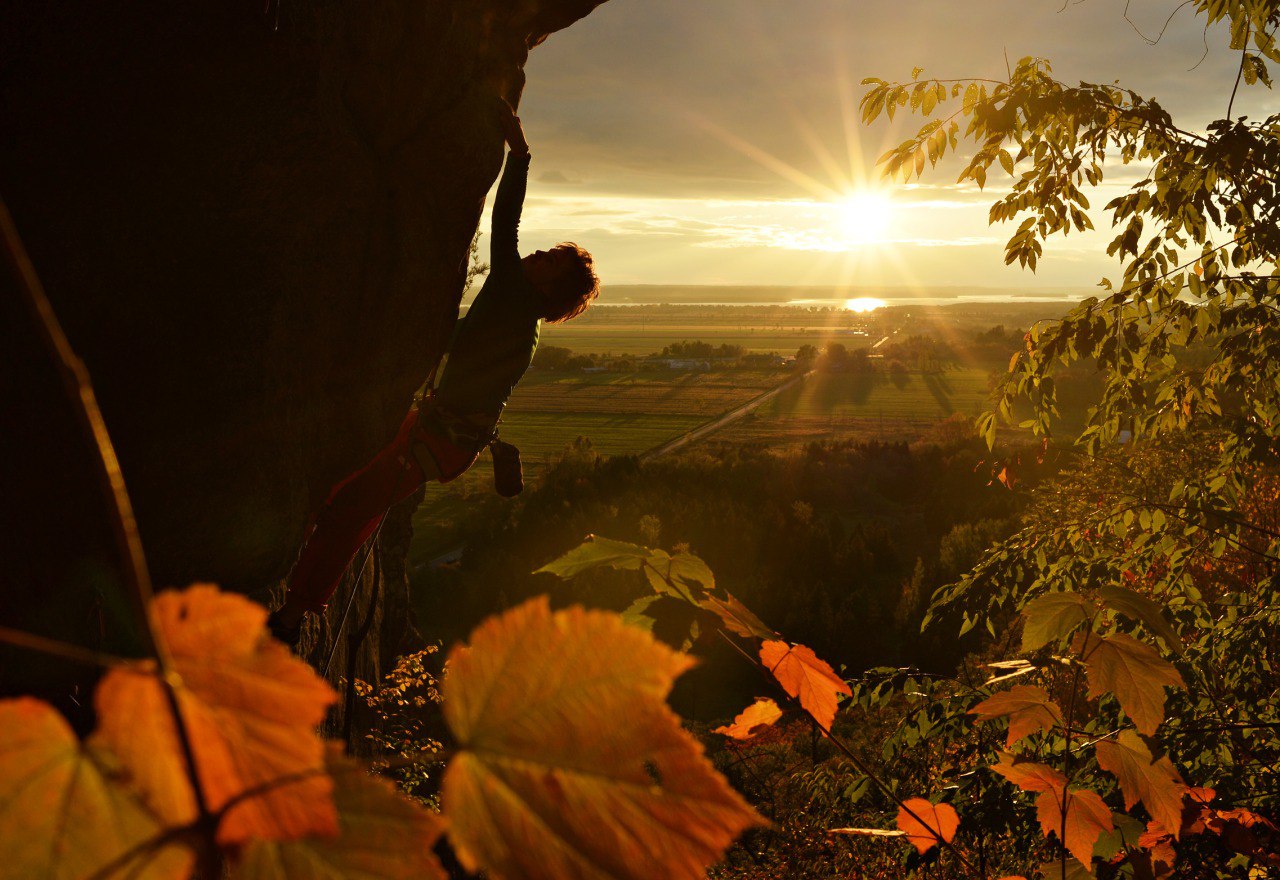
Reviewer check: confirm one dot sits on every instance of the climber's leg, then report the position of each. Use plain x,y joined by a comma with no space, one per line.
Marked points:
349,516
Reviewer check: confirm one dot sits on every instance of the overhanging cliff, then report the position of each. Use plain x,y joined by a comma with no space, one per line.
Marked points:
253,223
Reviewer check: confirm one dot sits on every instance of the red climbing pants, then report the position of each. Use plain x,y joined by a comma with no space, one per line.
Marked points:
357,504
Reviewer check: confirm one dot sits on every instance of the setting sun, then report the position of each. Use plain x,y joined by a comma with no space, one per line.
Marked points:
864,217
863,304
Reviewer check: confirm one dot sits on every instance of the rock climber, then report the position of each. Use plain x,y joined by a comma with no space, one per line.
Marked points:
443,435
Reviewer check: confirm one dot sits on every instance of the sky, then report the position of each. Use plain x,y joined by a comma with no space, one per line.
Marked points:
718,142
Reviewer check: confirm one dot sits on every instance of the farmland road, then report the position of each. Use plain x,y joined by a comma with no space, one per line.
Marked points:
720,421
455,553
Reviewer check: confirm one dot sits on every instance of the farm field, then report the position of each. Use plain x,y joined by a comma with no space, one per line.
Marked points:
635,339
619,413
835,406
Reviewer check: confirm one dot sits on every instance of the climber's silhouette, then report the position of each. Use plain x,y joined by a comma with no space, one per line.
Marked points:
443,435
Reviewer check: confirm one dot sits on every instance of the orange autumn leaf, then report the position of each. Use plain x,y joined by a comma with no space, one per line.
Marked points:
63,814
806,677
926,823
1028,708
382,836
250,707
1028,775
1133,671
1087,816
761,713
1144,778
1087,819
570,764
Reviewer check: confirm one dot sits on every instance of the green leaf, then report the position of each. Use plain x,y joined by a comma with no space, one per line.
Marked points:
1140,608
597,553
636,614
1051,617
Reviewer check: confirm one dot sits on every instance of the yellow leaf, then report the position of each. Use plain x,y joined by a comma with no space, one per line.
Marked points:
1028,708
761,713
382,836
1134,672
930,824
1052,616
570,764
1144,778
62,814
737,618
1087,819
250,708
806,677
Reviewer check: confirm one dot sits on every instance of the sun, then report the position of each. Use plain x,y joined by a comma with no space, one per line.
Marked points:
864,304
864,217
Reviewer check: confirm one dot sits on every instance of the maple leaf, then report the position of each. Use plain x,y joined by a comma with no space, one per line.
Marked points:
1028,708
1028,775
931,823
1143,778
1133,671
761,713
382,836
806,677
250,709
1087,816
737,618
63,815
1052,616
570,763
1087,819
1138,607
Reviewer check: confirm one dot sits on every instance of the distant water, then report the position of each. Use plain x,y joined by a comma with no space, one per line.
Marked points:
704,295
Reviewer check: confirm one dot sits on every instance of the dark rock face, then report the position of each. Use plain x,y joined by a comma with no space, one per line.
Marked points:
254,227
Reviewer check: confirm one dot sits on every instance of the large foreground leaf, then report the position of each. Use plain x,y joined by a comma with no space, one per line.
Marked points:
250,707
382,836
806,677
570,765
62,815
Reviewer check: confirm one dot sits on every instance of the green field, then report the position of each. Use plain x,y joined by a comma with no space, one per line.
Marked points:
864,406
619,413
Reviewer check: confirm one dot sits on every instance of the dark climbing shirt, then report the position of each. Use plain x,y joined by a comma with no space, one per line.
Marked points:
494,342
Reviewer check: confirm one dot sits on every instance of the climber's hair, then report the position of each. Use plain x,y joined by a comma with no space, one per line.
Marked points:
574,290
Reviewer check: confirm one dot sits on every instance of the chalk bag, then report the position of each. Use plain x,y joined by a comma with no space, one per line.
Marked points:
508,476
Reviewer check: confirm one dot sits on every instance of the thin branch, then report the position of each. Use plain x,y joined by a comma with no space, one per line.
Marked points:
79,389
65,650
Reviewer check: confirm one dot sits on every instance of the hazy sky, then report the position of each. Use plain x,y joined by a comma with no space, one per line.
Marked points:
716,141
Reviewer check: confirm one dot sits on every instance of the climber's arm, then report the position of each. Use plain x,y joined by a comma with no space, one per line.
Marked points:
504,245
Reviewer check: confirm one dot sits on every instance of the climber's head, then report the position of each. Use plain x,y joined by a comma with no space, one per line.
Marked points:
566,278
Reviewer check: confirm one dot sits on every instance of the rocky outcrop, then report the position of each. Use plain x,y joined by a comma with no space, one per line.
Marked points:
253,222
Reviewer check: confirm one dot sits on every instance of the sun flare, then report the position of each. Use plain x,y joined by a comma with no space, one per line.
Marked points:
863,304
864,217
